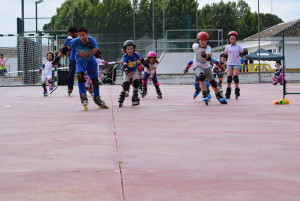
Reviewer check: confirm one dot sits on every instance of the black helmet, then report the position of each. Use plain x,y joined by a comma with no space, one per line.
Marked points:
128,42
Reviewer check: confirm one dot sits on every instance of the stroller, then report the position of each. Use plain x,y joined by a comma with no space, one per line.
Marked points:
109,74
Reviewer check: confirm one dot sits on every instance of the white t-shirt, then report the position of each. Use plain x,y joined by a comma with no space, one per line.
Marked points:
198,59
47,68
233,54
152,66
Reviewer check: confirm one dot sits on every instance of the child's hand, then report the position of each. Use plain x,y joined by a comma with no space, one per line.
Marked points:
185,72
150,77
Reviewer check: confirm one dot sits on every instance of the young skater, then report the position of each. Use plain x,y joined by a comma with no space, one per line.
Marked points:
278,75
234,51
197,82
46,71
87,50
203,69
151,74
131,71
72,62
219,71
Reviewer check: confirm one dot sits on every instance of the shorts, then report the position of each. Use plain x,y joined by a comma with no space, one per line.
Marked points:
207,71
134,76
46,77
233,66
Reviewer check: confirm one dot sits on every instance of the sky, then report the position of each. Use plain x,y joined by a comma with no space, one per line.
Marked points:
11,9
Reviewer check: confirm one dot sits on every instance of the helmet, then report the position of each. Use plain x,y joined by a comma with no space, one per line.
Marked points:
202,36
53,56
152,54
128,42
233,33
223,55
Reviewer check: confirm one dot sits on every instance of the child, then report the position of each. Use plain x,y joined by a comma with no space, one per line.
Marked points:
219,70
203,69
151,74
87,50
234,51
131,71
197,82
277,75
46,70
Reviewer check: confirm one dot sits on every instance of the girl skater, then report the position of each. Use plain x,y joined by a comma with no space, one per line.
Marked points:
46,70
203,69
278,75
131,71
151,75
233,50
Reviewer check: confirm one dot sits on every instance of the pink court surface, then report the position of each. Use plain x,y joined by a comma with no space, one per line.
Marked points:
174,149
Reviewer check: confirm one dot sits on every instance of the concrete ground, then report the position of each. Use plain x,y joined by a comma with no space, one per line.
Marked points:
171,149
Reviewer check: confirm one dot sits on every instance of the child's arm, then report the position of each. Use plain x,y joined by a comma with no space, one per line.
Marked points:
41,69
64,51
188,66
217,63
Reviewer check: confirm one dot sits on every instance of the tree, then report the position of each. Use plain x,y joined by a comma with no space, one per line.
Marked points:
269,20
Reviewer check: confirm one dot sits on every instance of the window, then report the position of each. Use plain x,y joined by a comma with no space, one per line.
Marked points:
274,51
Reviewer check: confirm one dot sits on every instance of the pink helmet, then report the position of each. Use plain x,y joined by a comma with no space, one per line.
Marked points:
233,33
152,54
202,36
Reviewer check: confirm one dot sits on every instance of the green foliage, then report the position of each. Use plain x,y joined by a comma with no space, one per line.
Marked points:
269,20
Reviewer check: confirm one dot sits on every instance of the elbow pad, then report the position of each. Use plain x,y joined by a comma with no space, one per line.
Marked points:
65,50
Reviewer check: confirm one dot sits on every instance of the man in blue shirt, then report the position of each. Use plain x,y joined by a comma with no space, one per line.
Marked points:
86,51
72,63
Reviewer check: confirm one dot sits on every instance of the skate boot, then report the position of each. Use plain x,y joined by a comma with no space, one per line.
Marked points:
144,92
135,98
121,99
197,92
228,92
205,97
127,93
220,89
221,98
237,93
159,94
208,94
100,102
70,91
45,93
52,89
84,100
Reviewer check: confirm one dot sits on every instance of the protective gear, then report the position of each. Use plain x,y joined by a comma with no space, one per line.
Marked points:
233,33
236,79
126,70
100,102
65,50
237,92
129,42
229,79
203,54
90,45
202,77
53,56
208,58
126,85
152,54
121,99
213,83
223,55
80,76
56,61
220,98
95,82
98,54
202,36
135,83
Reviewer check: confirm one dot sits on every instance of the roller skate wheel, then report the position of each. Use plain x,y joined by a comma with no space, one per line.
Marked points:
206,102
121,104
104,107
86,107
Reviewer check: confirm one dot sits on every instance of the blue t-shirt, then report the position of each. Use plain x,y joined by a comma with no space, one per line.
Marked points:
131,61
83,52
73,50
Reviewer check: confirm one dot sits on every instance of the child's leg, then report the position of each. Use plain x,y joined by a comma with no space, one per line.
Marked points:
80,68
144,81
44,86
93,75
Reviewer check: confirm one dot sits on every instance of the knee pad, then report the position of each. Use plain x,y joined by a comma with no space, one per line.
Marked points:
236,79
81,77
157,84
136,83
144,82
125,85
95,82
50,81
202,77
229,79
213,83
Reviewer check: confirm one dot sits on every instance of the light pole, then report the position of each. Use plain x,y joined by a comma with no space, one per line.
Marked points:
36,23
164,18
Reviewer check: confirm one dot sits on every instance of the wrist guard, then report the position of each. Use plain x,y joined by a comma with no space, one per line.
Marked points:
90,45
126,70
203,54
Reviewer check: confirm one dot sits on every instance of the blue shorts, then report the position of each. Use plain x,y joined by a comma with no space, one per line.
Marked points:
91,68
233,66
